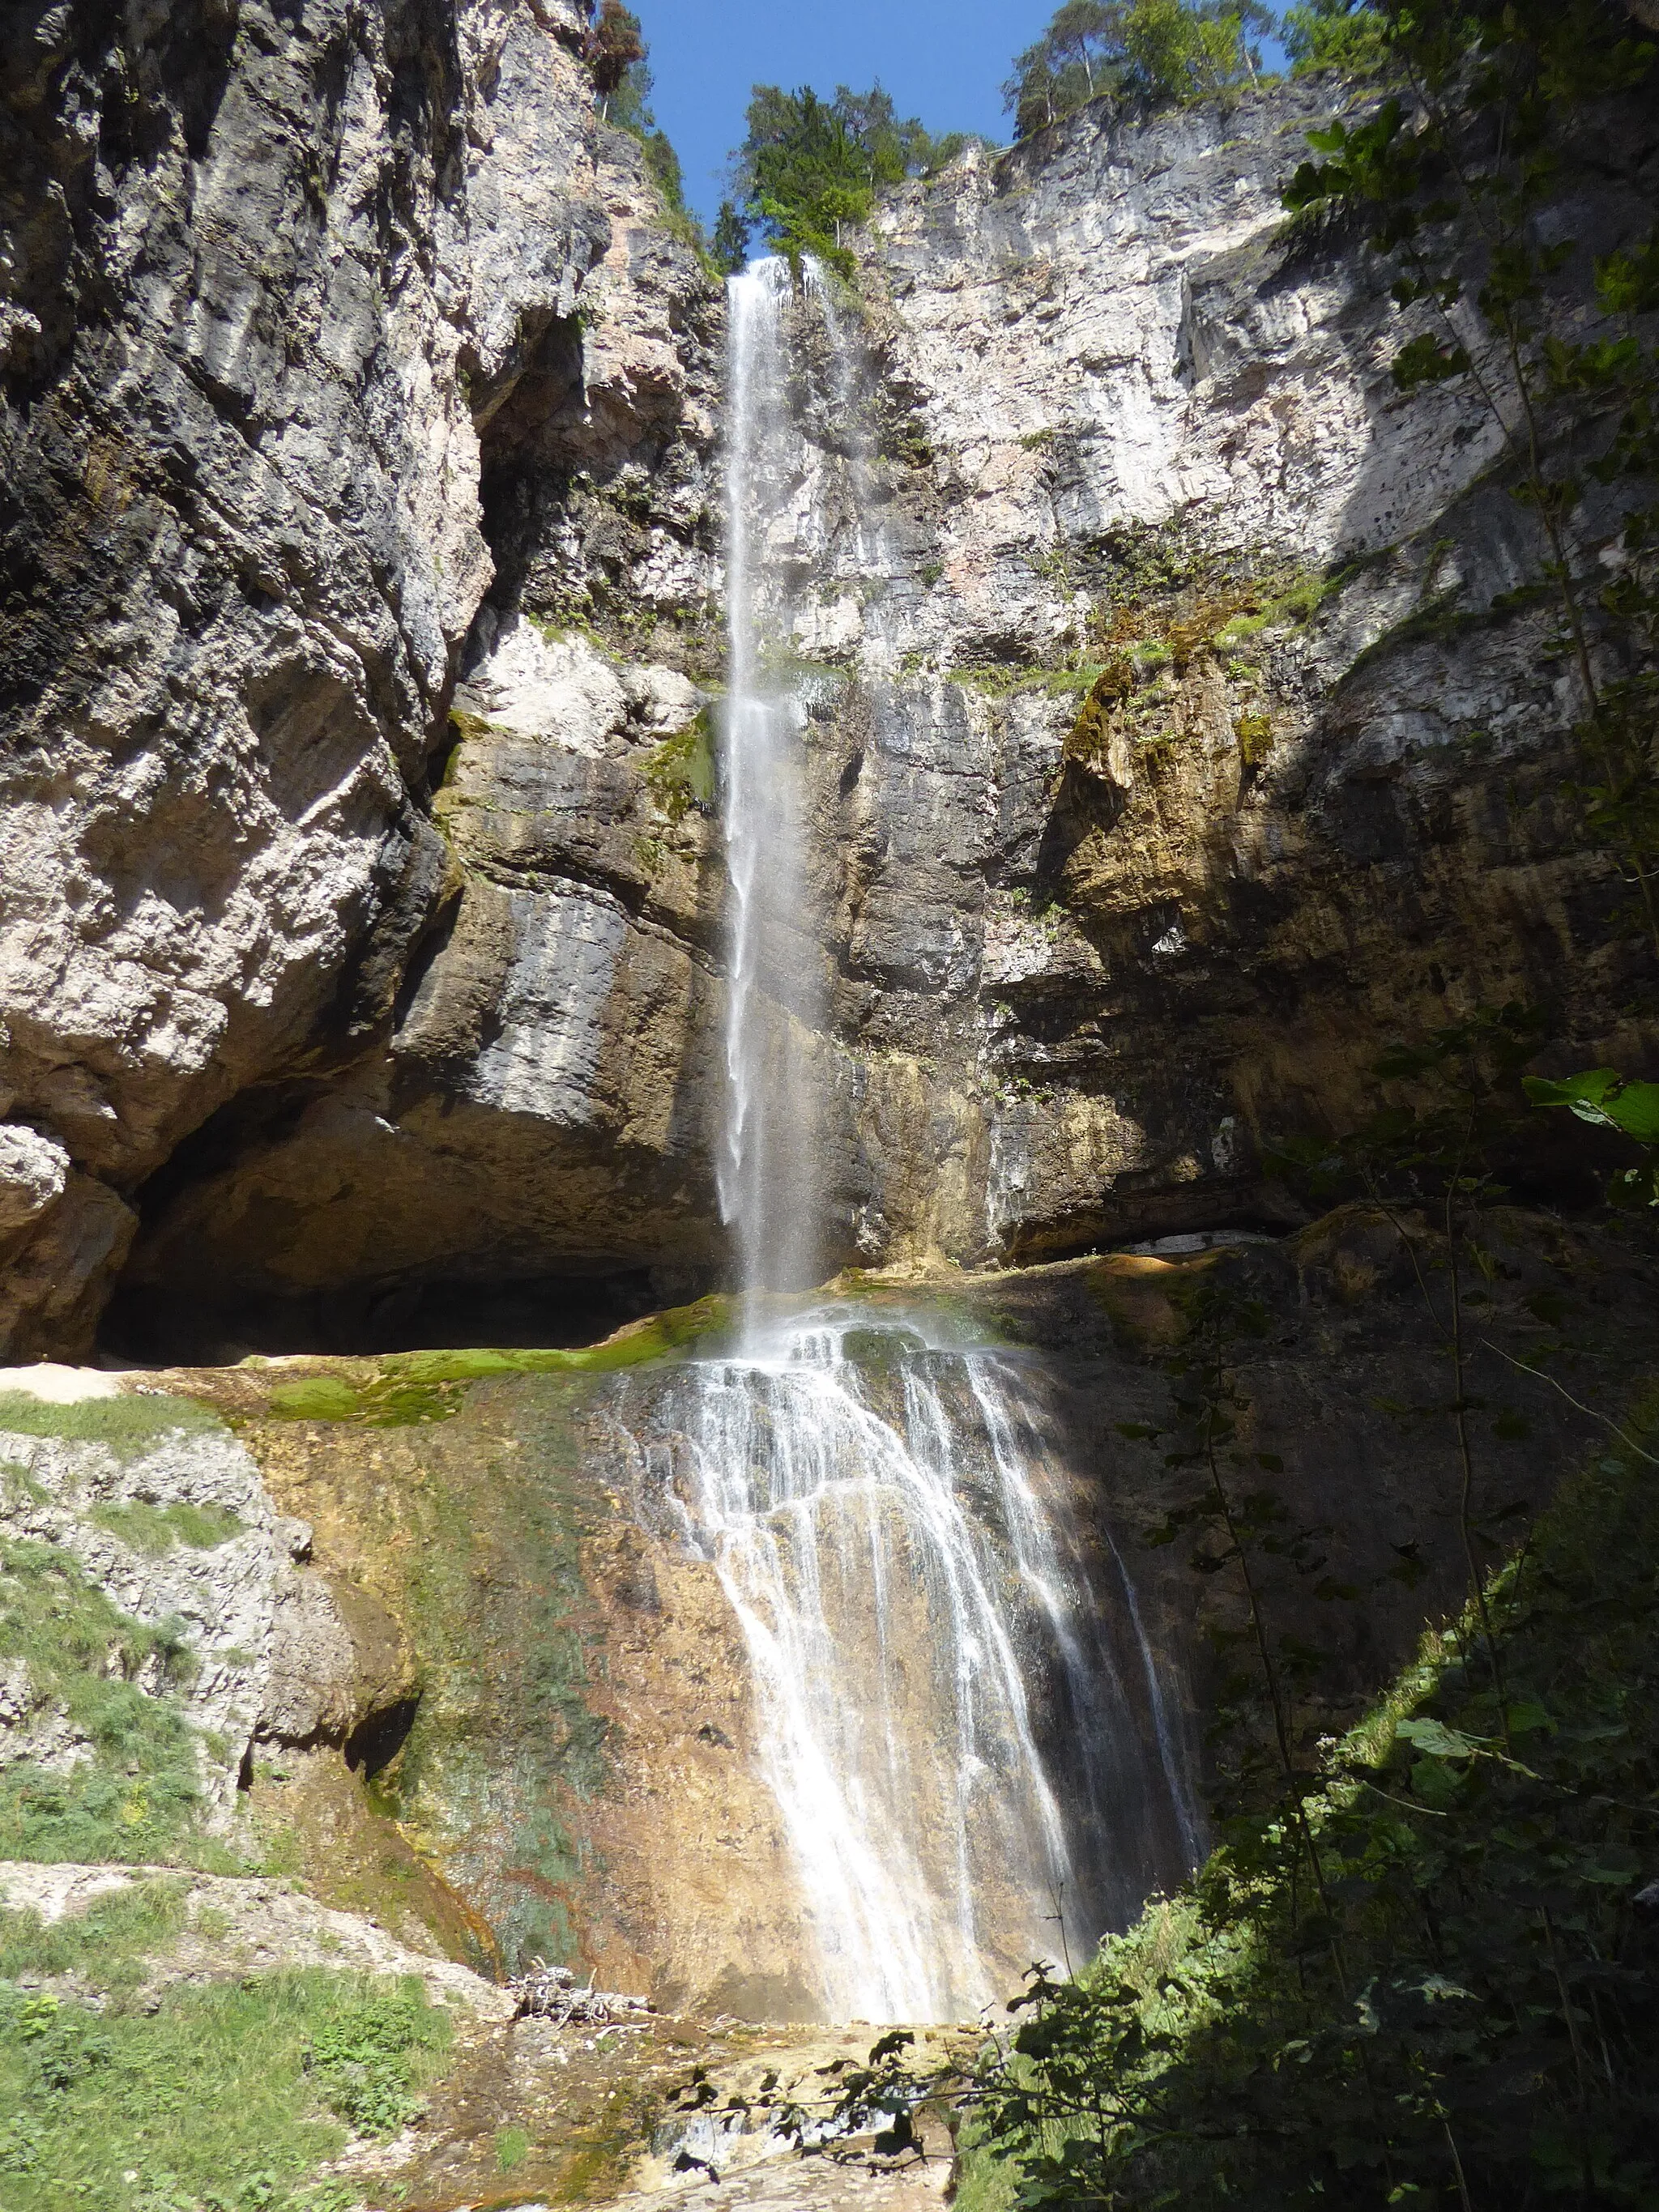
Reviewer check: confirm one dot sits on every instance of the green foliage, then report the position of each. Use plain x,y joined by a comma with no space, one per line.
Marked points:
622,74
680,773
1459,180
1348,36
107,1945
1464,2008
809,169
613,48
729,246
128,1424
157,1529
225,2099
1154,50
136,1789
1603,1099
362,2053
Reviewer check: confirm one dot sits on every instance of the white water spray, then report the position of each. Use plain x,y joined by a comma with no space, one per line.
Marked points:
930,1685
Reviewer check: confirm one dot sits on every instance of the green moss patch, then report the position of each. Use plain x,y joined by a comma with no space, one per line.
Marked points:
412,1387
128,1424
159,1528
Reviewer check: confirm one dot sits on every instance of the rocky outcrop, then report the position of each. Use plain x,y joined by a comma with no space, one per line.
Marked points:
169,1533
287,304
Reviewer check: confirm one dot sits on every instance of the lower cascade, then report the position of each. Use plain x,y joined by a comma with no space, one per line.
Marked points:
960,1712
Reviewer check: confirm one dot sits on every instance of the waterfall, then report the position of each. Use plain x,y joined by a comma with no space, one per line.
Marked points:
765,1166
969,1769
972,1755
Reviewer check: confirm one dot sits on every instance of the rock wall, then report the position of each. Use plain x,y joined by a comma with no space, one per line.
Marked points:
1176,732
1202,737
286,300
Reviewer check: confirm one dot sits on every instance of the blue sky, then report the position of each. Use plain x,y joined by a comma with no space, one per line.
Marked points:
943,60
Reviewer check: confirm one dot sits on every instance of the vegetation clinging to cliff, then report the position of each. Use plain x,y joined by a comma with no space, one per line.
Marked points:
1465,2014
621,62
136,1792
809,169
1154,50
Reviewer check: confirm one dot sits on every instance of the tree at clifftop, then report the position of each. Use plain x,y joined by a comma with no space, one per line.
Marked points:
613,45
1158,49
809,168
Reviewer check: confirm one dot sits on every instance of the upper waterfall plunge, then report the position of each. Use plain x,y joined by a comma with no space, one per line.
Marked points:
765,1168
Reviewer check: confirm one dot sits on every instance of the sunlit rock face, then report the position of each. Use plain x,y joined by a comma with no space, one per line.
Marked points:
290,299
396,394
1126,416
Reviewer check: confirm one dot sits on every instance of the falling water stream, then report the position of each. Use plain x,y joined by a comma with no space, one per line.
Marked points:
960,1714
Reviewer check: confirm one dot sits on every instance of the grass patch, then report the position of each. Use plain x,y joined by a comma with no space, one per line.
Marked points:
415,1386
157,1529
108,1944
225,2097
138,1788
128,1424
18,1485
679,773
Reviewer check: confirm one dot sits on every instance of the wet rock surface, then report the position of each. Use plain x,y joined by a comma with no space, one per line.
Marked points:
530,1722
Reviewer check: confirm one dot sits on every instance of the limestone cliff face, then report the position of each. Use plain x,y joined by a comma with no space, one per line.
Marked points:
285,301
1100,938
362,890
